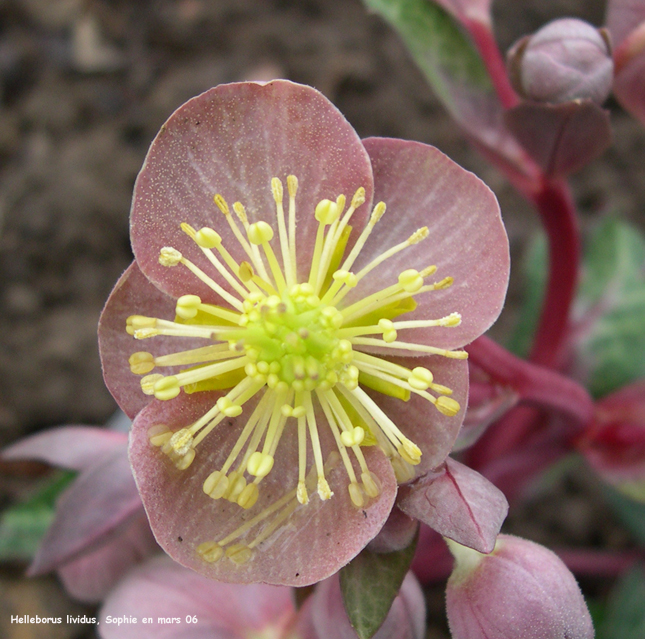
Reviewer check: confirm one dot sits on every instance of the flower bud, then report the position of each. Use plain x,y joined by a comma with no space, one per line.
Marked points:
521,589
565,60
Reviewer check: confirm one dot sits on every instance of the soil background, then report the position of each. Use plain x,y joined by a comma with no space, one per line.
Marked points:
85,86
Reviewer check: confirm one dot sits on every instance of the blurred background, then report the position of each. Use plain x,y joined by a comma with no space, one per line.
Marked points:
84,87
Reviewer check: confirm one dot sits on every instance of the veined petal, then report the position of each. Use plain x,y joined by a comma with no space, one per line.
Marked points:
132,293
94,574
232,140
466,240
99,501
183,517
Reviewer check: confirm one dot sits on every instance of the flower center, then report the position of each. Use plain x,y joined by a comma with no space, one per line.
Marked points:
297,348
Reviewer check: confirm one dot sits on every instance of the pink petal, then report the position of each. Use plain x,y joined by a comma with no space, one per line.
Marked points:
162,588
629,84
233,140
90,577
133,295
99,501
467,240
73,447
433,432
317,539
406,619
459,504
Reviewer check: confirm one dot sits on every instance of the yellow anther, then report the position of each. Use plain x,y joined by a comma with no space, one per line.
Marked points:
148,383
239,553
410,280
240,211
145,333
377,213
447,406
277,190
359,197
208,238
418,235
181,441
347,278
324,491
169,256
166,388
298,411
389,332
221,204
446,282
185,460
159,434
403,471
412,450
210,551
136,322
429,270
236,483
246,272
292,185
141,362
188,230
259,464
187,306
260,232
371,484
421,378
228,408
356,495
216,484
326,211
353,437
301,493
454,319
248,496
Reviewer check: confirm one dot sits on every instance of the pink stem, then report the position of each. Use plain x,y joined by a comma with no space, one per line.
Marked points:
492,59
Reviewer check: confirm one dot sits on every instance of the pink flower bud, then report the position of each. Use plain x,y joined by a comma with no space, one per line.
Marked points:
521,589
565,60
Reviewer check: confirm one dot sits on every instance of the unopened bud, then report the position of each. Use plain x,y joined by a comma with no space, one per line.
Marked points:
565,60
521,589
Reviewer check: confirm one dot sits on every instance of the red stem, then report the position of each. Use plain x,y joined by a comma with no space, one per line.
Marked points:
558,213
492,59
535,384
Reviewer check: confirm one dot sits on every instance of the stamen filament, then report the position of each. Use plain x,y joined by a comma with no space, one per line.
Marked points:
278,192
420,348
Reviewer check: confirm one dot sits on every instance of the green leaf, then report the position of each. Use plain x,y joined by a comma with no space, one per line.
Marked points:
444,53
535,272
611,308
631,513
369,584
624,617
22,526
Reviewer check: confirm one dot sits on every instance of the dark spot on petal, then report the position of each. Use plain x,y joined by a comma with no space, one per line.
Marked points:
297,574
180,539
365,514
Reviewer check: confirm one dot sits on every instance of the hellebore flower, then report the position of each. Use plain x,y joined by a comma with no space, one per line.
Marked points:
201,607
99,530
285,400
521,589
